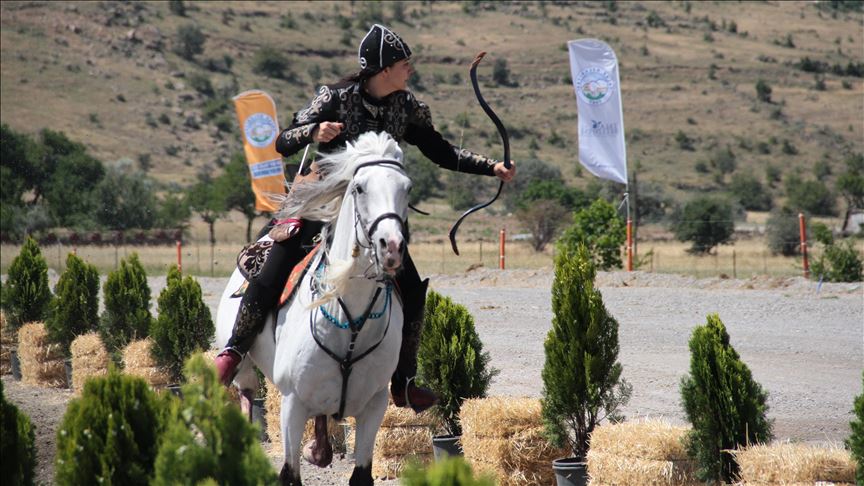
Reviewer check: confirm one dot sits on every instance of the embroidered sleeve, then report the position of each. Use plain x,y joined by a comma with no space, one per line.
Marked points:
421,132
299,133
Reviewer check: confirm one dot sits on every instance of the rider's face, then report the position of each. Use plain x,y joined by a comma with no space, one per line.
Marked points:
399,73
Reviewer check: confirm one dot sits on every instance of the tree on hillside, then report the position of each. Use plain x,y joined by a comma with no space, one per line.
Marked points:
529,170
601,230
19,155
71,191
206,199
174,212
271,62
748,191
706,222
55,146
850,184
125,201
234,186
723,161
809,196
189,41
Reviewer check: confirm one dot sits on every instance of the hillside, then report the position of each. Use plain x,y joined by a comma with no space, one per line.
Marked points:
106,74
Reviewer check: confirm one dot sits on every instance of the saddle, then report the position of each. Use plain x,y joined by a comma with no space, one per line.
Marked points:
251,259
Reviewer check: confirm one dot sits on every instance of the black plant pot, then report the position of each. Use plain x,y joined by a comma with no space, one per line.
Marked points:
259,416
68,364
570,471
446,445
16,363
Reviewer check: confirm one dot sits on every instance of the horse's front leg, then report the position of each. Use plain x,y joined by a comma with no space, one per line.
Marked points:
294,416
368,423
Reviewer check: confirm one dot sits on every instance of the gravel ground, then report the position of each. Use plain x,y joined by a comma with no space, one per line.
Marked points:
804,343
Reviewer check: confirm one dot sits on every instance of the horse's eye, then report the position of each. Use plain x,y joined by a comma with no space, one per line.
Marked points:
359,189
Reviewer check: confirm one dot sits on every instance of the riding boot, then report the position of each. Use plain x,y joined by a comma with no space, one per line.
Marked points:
403,388
260,297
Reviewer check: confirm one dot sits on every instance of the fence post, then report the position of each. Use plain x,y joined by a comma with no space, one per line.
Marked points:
629,245
179,256
803,232
501,249
734,266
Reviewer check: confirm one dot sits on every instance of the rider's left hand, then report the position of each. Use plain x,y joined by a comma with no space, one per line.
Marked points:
503,173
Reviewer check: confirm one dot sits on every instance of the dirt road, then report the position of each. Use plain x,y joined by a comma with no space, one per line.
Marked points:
803,343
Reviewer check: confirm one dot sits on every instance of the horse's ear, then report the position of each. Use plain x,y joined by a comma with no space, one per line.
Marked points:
398,153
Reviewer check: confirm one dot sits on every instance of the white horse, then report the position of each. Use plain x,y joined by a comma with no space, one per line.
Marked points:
364,196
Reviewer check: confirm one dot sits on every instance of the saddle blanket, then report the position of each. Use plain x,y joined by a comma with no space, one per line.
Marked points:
252,258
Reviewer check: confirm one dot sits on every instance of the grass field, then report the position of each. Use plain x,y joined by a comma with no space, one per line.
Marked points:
744,259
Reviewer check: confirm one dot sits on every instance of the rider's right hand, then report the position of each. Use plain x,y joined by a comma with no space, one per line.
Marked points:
326,131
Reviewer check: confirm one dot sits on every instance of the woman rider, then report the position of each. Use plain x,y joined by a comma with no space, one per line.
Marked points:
376,98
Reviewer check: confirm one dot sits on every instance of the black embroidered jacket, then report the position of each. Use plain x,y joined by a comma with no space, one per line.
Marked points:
400,114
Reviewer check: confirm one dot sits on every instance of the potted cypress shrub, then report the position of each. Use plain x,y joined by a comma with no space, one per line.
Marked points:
451,361
184,324
207,437
26,295
127,306
75,308
17,444
582,382
725,405
110,434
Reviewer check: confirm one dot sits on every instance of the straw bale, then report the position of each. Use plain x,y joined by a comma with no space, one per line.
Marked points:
499,417
42,362
401,441
137,361
391,467
7,342
650,439
613,469
524,458
273,416
89,359
787,463
406,417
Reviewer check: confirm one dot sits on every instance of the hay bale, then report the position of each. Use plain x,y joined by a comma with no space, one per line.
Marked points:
504,437
786,463
644,451
89,359
7,342
499,417
648,438
273,410
138,361
42,362
611,469
404,437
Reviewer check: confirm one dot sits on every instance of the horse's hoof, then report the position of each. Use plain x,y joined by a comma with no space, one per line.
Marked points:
317,455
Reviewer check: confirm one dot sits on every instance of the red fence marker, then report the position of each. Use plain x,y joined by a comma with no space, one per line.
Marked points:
179,256
629,245
501,249
803,232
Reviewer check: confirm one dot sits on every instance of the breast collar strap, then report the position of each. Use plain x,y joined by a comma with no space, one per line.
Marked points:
346,364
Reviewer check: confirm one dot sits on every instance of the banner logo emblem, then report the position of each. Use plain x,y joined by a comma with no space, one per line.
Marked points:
594,85
260,130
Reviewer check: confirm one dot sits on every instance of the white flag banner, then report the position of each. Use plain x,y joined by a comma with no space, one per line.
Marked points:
598,97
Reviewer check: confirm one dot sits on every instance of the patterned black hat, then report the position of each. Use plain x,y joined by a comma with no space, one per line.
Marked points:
381,48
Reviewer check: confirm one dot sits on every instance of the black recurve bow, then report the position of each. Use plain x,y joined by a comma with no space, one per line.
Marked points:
505,140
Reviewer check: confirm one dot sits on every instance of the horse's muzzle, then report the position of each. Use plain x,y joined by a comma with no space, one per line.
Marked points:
393,250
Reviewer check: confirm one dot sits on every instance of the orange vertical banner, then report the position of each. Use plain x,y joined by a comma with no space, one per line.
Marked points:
256,113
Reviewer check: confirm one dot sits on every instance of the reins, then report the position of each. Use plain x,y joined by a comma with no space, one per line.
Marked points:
347,362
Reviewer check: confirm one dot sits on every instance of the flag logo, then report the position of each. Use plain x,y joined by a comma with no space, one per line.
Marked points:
260,130
594,85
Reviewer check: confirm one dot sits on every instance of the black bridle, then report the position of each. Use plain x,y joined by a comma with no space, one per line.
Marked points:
369,230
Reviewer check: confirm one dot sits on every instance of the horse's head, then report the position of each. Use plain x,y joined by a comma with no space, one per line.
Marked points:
380,191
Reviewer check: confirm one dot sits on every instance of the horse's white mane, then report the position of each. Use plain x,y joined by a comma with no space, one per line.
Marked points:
320,200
